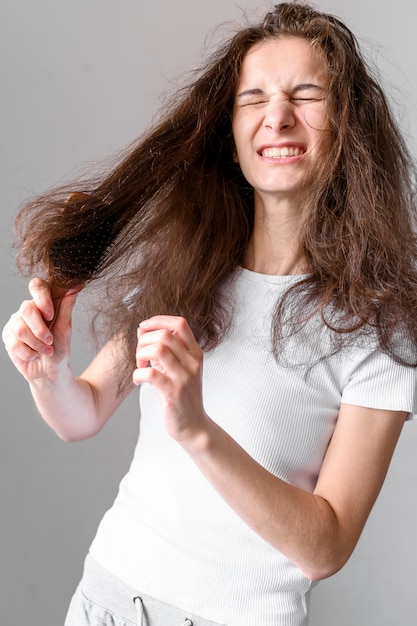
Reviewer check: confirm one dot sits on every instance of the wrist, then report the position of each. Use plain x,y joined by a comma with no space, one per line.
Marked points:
203,440
54,378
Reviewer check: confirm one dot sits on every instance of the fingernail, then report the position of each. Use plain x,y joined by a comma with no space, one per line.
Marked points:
48,339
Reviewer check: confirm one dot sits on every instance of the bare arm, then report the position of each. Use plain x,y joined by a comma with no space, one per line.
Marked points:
317,531
75,407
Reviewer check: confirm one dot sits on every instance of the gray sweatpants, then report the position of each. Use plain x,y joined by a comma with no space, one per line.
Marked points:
103,600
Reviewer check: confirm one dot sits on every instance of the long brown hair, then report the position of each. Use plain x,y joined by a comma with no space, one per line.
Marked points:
179,214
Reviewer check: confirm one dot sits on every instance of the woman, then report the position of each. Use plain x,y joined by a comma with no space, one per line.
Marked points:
265,227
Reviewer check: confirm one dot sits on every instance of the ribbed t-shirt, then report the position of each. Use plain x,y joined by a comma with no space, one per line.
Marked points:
170,535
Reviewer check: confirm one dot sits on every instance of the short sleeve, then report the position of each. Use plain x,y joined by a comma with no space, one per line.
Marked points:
377,381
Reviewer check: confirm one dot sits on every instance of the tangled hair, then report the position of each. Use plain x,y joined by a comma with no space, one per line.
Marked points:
172,220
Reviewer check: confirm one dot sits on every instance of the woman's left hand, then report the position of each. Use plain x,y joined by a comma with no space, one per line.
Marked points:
169,358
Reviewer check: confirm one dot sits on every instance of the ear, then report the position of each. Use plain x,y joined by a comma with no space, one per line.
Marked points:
234,153
235,156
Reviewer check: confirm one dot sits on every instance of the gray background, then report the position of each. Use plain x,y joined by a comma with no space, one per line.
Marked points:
79,80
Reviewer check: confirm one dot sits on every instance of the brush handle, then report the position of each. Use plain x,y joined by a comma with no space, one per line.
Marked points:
57,293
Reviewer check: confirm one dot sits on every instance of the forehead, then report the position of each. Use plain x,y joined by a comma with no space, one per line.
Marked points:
283,59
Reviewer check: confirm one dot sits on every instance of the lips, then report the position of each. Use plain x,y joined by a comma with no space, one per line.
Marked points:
281,152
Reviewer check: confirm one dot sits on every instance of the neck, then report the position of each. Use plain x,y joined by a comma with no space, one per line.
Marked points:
268,260
274,247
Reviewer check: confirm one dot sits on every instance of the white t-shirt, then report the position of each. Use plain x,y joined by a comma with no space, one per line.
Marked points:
170,535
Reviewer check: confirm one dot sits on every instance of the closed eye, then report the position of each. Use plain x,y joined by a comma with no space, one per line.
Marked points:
257,97
251,97
265,101
306,99
253,103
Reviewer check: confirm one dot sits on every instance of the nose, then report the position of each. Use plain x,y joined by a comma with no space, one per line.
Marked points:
279,114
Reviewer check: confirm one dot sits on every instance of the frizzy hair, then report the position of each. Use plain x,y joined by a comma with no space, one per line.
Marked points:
181,214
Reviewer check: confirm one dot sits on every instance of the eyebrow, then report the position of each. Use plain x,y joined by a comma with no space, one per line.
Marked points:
297,88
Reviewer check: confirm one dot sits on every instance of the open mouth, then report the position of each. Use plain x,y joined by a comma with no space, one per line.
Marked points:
275,152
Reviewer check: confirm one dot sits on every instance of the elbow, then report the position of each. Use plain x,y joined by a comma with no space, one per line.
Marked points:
326,563
320,571
74,436
330,547
68,438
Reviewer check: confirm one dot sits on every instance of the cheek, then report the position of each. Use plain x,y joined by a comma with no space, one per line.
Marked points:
316,118
320,129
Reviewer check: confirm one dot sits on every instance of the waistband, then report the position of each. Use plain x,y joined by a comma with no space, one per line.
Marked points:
106,590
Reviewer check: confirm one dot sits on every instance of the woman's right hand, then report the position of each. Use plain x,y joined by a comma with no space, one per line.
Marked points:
36,350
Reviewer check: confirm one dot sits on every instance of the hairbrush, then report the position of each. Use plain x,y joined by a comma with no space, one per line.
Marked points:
75,259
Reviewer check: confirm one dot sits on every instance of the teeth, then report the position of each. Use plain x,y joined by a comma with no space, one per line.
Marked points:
280,153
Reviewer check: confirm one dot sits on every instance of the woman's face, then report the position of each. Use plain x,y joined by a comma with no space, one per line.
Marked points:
279,116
